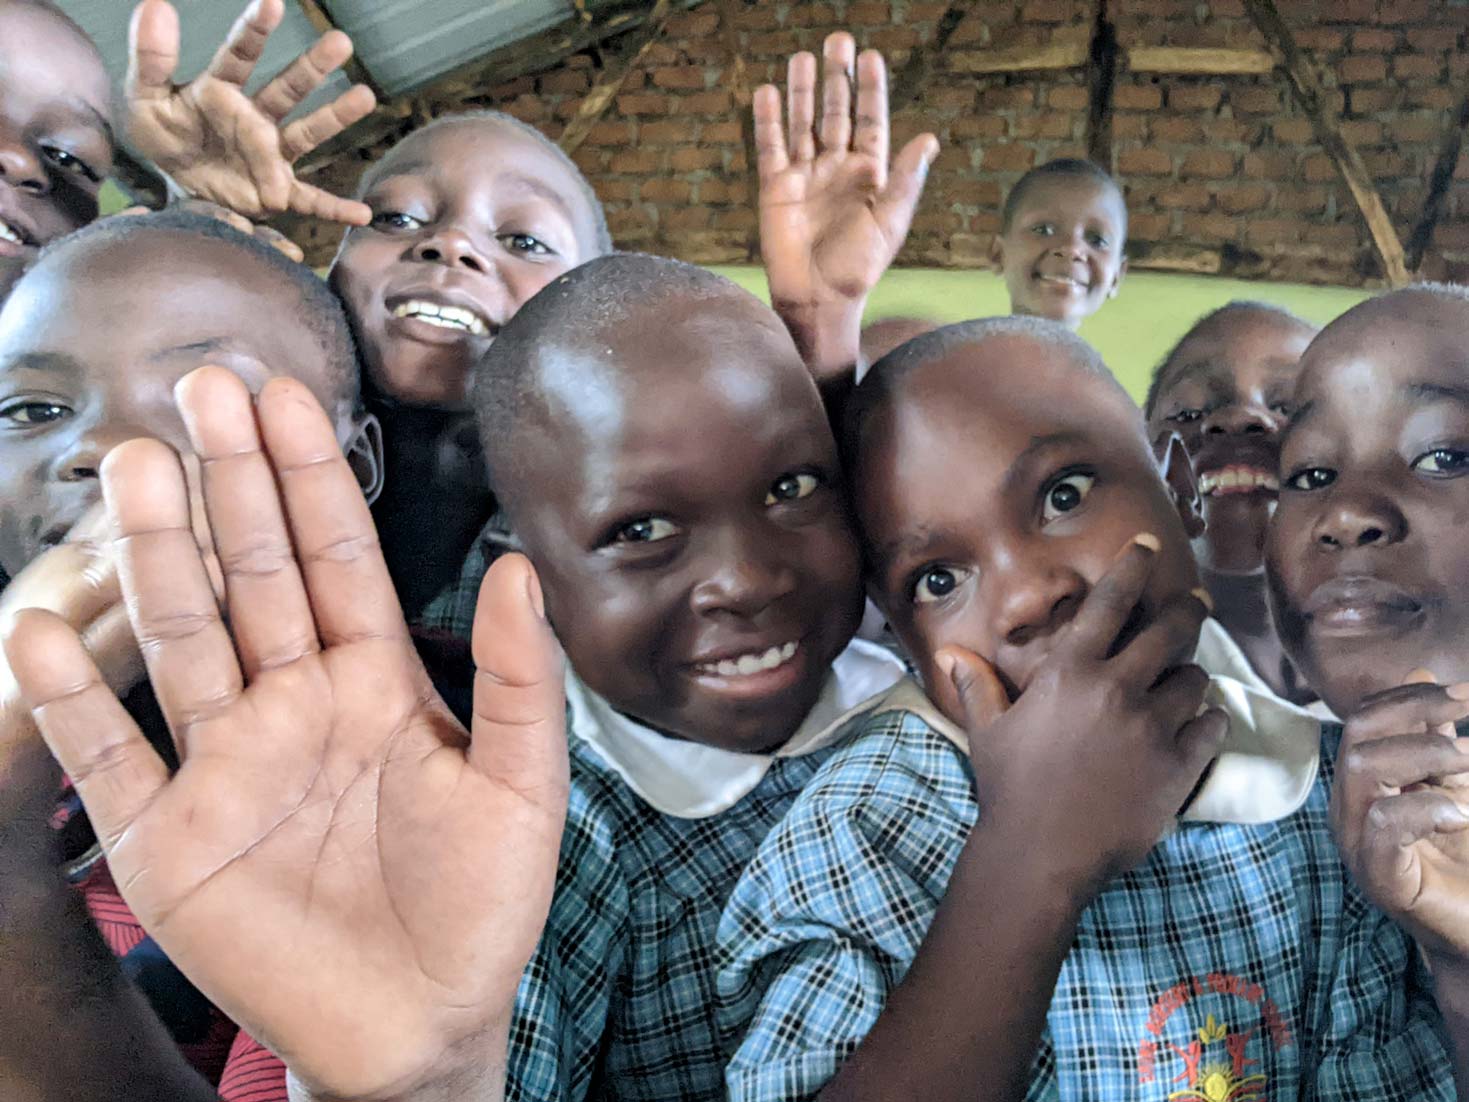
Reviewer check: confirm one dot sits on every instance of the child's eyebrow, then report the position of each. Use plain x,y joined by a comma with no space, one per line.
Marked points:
45,363
1037,447
207,344
1437,392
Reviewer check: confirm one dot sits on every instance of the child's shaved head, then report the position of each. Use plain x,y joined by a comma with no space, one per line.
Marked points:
1070,169
665,459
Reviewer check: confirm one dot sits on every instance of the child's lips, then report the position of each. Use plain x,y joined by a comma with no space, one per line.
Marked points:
753,674
15,240
1238,478
1361,605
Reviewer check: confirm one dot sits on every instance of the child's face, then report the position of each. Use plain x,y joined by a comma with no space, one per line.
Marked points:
1228,396
994,490
1368,562
91,345
695,553
1062,255
55,130
469,221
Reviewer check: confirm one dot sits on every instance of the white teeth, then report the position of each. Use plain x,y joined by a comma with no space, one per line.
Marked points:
8,234
446,317
747,664
1237,478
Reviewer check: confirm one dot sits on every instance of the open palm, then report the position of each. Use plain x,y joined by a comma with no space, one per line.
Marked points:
337,863
833,213
223,145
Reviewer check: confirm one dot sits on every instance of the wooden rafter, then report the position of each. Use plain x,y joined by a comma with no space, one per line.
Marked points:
921,63
1101,79
744,100
322,21
1305,84
1020,59
1199,61
1438,184
614,78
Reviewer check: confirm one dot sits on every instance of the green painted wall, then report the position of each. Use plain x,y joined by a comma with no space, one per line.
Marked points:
1133,332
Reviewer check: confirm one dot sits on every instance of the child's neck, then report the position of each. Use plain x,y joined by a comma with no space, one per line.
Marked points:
1240,604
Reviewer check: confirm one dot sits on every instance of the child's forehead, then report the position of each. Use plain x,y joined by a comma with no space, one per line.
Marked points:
55,58
468,153
1389,344
1080,195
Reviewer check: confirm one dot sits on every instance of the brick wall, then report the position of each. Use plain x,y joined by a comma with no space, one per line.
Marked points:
1224,167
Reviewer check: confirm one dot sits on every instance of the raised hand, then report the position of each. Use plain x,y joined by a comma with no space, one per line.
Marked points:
222,145
337,863
1100,751
833,211
1400,810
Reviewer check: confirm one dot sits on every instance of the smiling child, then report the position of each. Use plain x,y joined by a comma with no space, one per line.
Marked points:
1225,388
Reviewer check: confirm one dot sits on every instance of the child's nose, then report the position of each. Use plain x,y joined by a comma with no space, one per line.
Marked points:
1036,601
452,247
743,579
1359,519
20,165
1243,419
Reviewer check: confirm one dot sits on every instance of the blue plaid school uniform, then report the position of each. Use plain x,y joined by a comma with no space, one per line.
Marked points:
618,1001
1237,963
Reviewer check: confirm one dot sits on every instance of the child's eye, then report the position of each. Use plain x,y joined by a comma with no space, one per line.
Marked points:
395,220
34,413
1065,495
1042,229
1443,462
645,530
792,487
1096,240
1185,416
70,162
935,583
525,243
1282,408
1311,478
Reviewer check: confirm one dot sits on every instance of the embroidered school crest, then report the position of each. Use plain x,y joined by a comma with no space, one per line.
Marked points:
1212,1061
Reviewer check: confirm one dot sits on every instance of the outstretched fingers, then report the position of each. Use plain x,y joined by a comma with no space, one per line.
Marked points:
838,62
771,156
801,106
870,135
518,736
153,51
304,75
302,136
235,60
114,769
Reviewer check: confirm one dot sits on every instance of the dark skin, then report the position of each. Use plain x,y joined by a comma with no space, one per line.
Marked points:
56,140
1228,394
476,216
1053,580
1061,255
686,513
1367,574
74,383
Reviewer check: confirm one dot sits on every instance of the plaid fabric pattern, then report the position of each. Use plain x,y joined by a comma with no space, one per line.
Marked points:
452,611
1237,962
618,1001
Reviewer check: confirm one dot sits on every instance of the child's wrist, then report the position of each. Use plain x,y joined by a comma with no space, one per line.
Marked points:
472,1072
827,334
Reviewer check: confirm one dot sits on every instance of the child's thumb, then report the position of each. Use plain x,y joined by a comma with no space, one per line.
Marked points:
970,692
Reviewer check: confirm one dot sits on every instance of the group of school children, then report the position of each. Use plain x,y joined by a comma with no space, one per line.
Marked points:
450,679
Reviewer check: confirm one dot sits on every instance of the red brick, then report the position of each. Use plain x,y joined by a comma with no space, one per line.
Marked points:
1208,164
723,191
679,77
893,38
1417,67
1361,132
1047,126
1361,69
780,43
975,126
1437,98
1144,162
692,158
1268,166
1301,200
666,132
693,24
1208,228
740,218
1371,101
1069,97
643,103
664,190
960,99
1318,168
512,88
1129,127
1424,127
1324,39
1374,40
1185,197
1194,97
728,131
1432,40
1176,130
1150,227
1336,235
1255,101
1272,231
591,161
1002,98
1008,158
565,80
1048,11
705,103
610,133
610,191
869,14
971,192
1137,97
1246,197
635,161
1405,11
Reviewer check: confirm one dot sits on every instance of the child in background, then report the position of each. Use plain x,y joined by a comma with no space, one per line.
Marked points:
74,384
1041,923
1225,389
1062,242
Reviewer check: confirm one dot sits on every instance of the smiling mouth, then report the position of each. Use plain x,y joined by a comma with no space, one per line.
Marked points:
1237,479
1067,282
748,665
12,234
457,318
1361,606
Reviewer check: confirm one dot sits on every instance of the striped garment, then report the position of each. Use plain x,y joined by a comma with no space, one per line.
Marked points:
1236,963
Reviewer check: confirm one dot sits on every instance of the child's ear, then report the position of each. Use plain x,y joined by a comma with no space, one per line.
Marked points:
1178,475
1117,279
364,451
997,252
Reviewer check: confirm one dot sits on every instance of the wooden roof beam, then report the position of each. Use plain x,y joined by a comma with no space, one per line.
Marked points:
614,78
322,20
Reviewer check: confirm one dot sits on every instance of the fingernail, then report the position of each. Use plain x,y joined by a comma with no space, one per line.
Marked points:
533,591
1204,599
945,662
1420,676
1148,540
1459,691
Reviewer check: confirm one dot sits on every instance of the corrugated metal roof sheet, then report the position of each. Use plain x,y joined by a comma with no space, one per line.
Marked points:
405,43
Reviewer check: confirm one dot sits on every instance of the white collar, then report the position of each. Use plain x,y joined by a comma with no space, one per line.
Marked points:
693,781
1269,760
